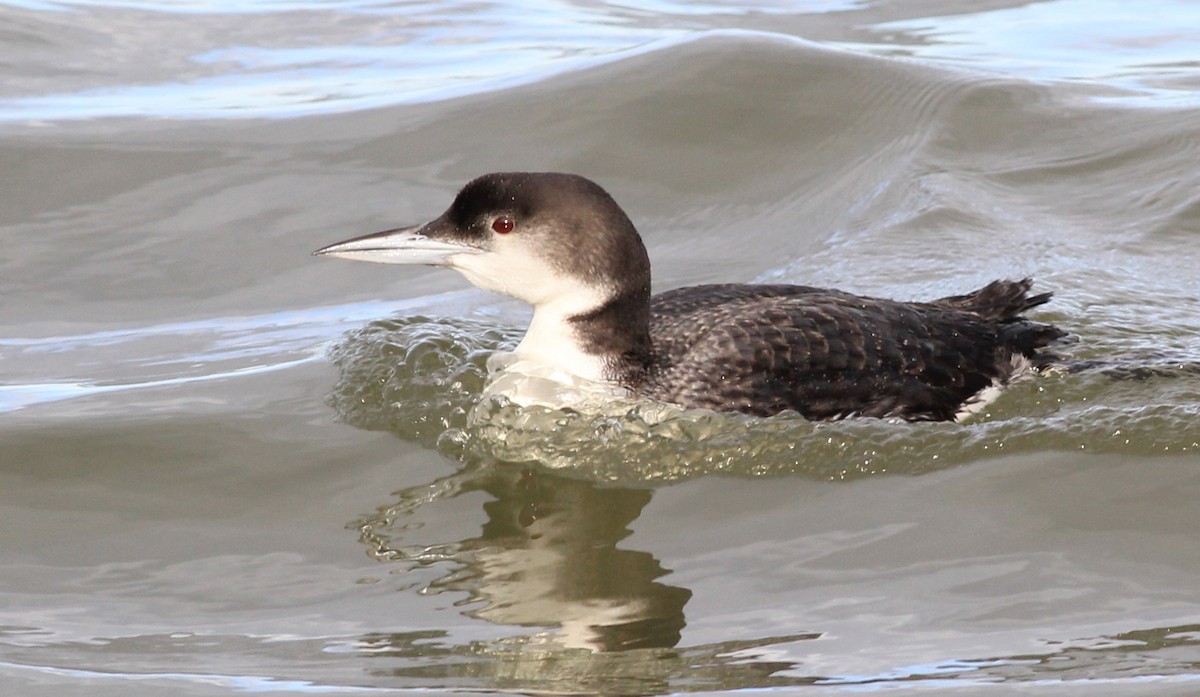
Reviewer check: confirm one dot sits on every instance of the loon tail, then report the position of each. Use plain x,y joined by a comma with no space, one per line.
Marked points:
1004,302
999,301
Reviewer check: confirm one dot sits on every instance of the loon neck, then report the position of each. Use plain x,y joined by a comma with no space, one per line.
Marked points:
606,340
619,330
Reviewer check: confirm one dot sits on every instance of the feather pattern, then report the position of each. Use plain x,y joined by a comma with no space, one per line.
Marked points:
826,354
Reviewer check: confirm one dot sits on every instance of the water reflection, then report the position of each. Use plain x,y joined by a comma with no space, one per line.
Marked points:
547,557
419,659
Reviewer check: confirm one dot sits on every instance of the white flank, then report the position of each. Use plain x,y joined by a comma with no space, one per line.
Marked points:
981,399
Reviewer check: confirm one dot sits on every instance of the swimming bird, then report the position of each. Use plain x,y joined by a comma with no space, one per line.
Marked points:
560,243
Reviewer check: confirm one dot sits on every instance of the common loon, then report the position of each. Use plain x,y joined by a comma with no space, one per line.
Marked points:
562,244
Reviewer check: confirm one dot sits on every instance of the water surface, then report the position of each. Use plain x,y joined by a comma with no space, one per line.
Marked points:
226,466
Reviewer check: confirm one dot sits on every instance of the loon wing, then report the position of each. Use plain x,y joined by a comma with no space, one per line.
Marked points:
828,354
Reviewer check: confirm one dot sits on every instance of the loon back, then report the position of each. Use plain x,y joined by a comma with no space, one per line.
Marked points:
562,244
828,354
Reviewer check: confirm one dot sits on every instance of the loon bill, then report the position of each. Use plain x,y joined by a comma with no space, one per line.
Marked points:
562,244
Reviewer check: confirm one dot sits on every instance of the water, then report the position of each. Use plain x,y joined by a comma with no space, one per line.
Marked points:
226,466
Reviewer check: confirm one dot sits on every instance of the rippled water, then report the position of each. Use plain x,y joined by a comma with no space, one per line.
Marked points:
228,466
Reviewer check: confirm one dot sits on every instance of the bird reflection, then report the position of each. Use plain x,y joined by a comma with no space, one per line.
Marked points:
547,557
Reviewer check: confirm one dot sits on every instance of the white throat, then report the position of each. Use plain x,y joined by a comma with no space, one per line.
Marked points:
552,339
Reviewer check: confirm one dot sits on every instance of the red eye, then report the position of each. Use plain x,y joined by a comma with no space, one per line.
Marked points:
503,224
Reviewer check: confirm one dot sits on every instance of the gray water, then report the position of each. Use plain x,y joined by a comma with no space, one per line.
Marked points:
226,466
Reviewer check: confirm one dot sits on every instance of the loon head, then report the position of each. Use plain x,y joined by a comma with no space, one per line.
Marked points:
556,241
